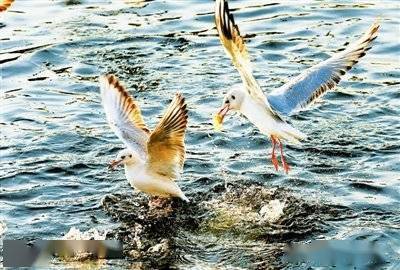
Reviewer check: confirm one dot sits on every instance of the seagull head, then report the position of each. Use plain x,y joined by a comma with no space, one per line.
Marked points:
125,157
232,101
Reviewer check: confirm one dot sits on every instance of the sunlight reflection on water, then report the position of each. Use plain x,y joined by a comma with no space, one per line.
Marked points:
55,143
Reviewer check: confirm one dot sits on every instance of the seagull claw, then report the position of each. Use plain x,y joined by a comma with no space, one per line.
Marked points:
157,202
285,166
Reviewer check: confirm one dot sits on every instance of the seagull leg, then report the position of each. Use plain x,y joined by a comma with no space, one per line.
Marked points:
157,202
273,157
285,166
154,202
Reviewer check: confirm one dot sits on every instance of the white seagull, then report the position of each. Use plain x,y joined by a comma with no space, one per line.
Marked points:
265,112
152,160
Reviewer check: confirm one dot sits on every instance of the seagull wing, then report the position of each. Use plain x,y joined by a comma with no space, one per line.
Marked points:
5,4
314,82
166,146
236,49
123,115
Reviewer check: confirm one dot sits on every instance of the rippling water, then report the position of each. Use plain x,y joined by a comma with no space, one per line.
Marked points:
55,142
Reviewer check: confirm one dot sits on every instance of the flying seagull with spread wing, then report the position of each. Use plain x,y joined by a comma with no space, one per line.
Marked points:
152,160
266,112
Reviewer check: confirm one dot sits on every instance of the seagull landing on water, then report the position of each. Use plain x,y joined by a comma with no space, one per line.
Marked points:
152,160
265,112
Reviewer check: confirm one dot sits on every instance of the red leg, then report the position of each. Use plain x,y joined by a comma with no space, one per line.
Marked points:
285,166
155,202
273,157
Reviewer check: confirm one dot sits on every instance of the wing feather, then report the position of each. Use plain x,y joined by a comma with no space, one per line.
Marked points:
123,115
314,82
166,146
5,4
236,49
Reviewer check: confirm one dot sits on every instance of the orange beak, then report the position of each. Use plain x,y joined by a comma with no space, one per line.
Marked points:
223,111
113,164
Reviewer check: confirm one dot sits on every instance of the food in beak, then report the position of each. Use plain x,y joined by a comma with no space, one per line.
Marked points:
219,118
113,164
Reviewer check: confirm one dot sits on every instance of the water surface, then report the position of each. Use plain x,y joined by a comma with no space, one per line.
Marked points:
55,143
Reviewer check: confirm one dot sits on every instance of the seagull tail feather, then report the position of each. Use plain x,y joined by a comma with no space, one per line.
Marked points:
183,197
291,134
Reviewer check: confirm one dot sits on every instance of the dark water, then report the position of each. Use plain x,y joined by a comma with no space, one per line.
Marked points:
55,142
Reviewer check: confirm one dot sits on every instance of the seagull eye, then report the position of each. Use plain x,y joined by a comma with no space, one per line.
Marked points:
233,97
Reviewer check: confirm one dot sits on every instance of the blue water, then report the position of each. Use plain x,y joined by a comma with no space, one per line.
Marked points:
55,143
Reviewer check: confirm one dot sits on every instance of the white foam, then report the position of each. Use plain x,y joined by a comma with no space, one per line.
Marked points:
92,234
272,211
3,228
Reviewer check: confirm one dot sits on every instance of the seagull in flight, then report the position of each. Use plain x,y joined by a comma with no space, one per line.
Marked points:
152,160
266,112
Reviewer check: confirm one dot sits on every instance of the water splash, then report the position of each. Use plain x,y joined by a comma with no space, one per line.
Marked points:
91,234
3,228
272,211
250,217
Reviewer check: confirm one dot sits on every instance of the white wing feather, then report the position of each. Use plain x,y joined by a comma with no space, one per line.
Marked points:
314,82
123,115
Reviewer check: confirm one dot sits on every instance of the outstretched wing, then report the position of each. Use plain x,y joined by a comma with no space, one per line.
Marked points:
166,146
236,49
123,115
5,4
314,82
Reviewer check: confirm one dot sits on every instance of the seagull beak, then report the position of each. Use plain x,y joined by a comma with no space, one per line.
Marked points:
219,117
223,111
113,164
